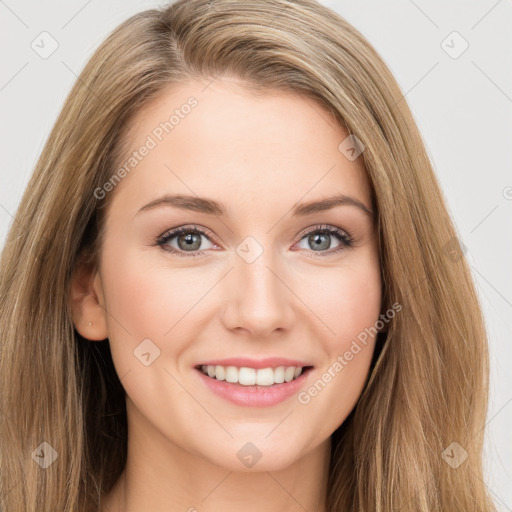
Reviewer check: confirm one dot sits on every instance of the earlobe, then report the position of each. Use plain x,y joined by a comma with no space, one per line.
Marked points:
87,303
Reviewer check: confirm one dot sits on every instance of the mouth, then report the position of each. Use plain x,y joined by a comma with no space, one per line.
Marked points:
246,376
250,382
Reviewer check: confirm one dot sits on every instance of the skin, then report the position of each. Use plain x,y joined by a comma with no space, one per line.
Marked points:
259,156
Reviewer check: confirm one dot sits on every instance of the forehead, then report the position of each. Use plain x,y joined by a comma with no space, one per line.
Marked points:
223,140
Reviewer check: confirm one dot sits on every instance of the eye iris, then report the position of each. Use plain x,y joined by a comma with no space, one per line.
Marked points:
316,240
191,241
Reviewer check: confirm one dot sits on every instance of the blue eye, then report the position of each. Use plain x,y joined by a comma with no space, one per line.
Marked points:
189,239
319,239
186,238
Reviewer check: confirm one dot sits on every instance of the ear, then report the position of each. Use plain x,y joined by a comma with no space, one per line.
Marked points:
87,303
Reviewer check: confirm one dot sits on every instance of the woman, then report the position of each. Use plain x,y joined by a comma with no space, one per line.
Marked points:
233,283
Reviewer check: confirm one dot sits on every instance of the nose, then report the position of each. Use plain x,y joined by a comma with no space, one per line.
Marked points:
258,299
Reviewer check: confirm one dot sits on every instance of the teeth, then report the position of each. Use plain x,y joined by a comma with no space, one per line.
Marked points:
264,377
220,373
251,376
279,375
231,374
246,376
289,373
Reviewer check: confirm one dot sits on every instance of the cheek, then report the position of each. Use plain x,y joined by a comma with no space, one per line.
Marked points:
147,304
153,303
350,306
359,306
348,301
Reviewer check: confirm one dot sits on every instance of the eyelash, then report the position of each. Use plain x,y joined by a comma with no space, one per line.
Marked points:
346,240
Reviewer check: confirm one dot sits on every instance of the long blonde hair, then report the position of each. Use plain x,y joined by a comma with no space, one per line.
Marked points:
428,385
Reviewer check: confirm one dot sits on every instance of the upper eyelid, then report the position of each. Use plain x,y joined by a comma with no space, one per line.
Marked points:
327,227
173,232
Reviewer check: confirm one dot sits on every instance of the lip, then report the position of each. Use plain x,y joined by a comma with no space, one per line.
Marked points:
268,362
255,396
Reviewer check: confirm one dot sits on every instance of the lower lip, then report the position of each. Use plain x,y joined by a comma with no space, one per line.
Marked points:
255,396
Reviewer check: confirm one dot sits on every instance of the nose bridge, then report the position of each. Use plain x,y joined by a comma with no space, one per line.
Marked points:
259,301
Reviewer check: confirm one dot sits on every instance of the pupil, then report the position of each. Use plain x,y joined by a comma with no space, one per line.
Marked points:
191,241
317,242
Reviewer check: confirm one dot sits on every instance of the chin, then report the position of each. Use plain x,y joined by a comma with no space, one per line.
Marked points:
257,456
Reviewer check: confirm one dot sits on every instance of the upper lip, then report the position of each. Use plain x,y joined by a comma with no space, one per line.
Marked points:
268,362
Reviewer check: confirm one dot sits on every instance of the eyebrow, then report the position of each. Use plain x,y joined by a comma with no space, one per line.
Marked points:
212,207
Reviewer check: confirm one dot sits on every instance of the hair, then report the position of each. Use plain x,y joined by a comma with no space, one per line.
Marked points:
428,385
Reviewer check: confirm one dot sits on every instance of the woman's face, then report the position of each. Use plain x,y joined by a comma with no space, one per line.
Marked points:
253,281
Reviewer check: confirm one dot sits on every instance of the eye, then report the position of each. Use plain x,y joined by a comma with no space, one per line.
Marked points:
319,238
188,239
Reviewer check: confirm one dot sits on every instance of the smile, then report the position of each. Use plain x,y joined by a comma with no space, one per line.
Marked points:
247,376
252,383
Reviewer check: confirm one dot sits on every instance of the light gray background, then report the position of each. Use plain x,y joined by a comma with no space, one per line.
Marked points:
462,105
